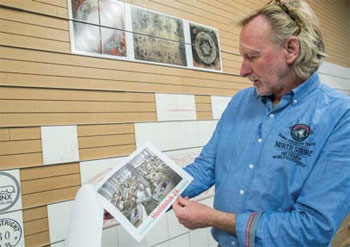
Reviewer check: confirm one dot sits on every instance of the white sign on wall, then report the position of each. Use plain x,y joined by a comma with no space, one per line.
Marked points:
10,191
11,229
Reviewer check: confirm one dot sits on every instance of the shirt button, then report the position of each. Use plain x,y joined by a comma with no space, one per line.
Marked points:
251,166
241,192
233,243
295,101
271,115
259,140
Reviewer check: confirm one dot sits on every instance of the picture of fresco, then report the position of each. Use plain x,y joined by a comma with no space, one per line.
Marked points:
158,38
205,48
101,29
140,186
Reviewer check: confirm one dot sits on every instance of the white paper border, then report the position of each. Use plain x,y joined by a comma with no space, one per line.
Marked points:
140,232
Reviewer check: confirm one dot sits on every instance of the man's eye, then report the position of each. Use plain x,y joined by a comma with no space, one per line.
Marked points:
250,58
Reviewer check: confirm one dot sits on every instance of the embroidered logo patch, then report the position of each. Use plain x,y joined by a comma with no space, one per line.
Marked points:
300,132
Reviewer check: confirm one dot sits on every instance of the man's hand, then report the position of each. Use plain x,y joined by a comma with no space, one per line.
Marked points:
194,215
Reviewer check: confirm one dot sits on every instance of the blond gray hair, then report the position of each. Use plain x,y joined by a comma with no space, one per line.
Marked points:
303,24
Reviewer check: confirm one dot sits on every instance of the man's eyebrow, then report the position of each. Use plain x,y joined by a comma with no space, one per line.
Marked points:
250,50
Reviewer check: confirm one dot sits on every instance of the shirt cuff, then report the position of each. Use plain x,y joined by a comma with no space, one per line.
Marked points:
246,224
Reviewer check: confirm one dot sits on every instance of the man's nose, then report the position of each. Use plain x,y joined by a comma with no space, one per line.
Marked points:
246,69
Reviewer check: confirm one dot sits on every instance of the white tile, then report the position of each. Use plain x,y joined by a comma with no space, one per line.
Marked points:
59,144
59,244
205,195
334,82
209,202
175,107
167,135
218,105
212,242
205,131
184,157
10,190
59,215
334,69
164,244
126,240
199,237
175,228
110,237
174,135
92,171
158,233
182,241
11,226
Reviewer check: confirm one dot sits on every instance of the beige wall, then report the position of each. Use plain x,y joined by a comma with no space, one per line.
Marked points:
334,20
43,84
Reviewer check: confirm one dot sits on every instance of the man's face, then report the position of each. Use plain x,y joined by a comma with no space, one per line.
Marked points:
263,60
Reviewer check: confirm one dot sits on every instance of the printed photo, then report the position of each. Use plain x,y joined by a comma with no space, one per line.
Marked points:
158,38
98,26
205,47
139,191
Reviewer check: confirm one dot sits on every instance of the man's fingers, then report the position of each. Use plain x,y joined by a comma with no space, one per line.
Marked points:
176,205
183,201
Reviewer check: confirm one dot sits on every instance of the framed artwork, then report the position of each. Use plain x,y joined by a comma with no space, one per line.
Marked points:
157,37
117,30
98,27
205,47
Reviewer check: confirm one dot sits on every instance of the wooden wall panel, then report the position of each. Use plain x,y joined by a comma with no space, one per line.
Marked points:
335,25
31,133
24,29
25,80
49,197
106,140
105,152
49,184
33,18
20,160
49,171
39,239
42,83
18,147
25,67
203,107
4,134
36,226
105,129
95,62
34,213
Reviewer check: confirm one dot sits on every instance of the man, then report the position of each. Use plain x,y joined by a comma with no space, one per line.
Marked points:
280,155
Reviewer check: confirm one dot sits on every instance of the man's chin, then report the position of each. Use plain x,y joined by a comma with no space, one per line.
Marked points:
262,92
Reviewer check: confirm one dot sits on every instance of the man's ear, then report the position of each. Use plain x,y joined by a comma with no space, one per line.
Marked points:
292,49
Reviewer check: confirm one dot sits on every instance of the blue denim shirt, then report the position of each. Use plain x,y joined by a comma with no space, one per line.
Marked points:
284,171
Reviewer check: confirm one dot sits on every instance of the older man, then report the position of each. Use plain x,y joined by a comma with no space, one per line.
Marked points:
280,155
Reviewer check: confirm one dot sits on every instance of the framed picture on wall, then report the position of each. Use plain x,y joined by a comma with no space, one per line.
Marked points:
157,37
116,30
205,47
98,27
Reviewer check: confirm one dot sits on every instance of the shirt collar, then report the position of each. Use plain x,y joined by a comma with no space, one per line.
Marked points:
308,86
